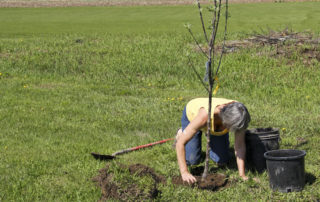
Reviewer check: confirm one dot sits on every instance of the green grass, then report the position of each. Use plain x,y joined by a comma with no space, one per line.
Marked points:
155,20
78,80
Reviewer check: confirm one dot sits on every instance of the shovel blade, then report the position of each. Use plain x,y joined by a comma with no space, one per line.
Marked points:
102,157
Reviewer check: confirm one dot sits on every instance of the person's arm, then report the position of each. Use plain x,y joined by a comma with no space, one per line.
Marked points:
240,152
198,122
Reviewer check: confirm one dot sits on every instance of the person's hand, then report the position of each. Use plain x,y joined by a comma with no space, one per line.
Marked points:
187,177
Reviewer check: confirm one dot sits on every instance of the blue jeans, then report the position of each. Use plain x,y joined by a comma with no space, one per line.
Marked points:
219,145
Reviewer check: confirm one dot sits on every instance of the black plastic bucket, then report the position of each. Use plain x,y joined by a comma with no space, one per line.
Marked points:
259,141
286,169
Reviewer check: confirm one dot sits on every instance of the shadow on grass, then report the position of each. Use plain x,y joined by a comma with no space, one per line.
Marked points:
198,169
310,178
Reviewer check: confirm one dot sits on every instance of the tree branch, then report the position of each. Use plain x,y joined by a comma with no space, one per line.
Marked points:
202,23
198,75
204,53
224,38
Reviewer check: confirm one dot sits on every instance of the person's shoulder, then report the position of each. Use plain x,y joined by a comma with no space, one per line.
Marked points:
205,99
226,99
198,99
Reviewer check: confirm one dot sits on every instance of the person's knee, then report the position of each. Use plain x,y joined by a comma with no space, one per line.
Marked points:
193,159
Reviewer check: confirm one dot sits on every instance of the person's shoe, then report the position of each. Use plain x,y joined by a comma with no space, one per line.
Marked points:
179,132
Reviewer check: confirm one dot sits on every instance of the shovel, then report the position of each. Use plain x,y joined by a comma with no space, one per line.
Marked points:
112,156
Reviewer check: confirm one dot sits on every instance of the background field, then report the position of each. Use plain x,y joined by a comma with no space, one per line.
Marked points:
82,79
59,3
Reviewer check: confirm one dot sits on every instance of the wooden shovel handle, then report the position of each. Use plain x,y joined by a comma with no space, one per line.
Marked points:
140,147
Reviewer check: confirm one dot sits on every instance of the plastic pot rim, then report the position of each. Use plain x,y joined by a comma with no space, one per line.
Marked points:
262,136
262,131
302,154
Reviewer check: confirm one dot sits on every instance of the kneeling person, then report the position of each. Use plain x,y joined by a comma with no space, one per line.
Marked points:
227,115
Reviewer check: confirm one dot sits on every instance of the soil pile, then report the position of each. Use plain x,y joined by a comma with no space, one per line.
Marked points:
140,182
213,182
128,188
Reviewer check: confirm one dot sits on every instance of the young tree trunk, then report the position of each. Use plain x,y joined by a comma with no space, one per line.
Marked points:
206,165
210,63
211,81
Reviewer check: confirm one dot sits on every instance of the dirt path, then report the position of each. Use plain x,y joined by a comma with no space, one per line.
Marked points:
65,3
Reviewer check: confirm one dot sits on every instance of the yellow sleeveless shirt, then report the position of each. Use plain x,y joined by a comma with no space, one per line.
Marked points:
194,105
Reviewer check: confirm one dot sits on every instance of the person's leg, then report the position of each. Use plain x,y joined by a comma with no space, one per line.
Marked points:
193,147
219,148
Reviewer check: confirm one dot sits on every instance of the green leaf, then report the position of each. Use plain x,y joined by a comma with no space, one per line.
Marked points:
187,25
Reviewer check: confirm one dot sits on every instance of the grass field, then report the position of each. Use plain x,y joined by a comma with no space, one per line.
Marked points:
64,3
101,79
154,20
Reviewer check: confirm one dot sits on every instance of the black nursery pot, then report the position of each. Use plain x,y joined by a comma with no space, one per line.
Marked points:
259,141
286,169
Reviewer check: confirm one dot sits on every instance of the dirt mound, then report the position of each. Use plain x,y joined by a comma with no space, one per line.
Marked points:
127,189
140,182
213,182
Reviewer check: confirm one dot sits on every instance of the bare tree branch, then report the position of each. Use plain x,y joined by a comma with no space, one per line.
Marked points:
213,22
202,23
204,53
224,37
218,20
198,75
212,40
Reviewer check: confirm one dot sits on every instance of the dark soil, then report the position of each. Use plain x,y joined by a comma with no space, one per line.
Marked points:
125,191
129,191
213,182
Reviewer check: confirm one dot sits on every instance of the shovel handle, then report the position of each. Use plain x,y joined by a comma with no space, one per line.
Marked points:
140,147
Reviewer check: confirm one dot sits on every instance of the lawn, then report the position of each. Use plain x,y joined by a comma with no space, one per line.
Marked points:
100,79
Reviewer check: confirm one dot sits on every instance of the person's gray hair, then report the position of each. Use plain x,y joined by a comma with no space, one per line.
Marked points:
235,116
